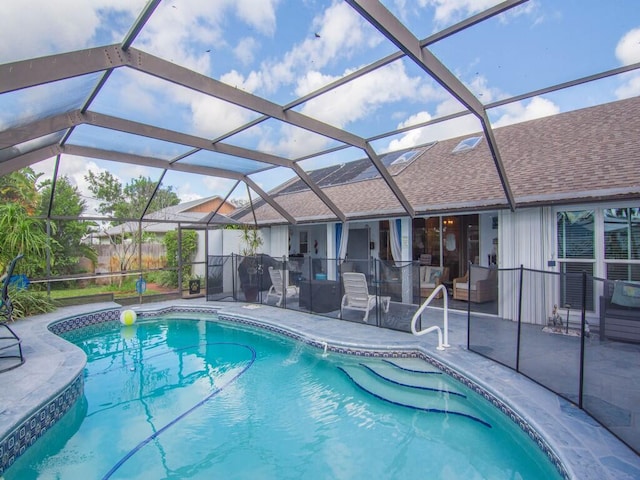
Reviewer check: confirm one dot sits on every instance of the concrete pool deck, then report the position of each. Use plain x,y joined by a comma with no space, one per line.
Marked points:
587,450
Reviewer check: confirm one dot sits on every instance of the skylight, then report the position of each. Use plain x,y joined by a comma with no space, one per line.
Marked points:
467,144
405,157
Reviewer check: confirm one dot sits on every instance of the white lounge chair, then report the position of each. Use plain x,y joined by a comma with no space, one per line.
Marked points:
356,295
280,285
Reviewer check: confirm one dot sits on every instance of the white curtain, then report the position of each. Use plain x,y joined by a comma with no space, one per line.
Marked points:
344,240
525,240
394,234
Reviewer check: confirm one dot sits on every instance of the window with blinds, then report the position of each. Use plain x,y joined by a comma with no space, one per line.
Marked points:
575,234
576,254
622,243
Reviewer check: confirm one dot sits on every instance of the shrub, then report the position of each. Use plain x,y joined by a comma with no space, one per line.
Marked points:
27,302
188,252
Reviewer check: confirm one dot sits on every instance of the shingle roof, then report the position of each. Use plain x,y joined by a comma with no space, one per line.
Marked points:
582,155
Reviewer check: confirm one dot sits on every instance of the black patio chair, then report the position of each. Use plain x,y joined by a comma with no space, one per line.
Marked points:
9,342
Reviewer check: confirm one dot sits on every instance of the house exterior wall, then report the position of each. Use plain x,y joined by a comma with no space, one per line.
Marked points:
212,205
529,237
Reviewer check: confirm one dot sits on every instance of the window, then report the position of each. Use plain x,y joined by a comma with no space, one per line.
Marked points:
575,234
304,242
467,144
405,157
576,254
622,243
385,248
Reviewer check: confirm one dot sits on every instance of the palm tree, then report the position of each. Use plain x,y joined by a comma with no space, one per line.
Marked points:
21,233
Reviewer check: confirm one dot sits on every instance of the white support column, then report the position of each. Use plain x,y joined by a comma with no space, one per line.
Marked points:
406,239
331,251
279,241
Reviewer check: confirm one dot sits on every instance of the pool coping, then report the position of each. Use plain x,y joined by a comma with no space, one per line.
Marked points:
577,445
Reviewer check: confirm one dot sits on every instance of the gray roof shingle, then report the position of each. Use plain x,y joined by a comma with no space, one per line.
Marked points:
582,155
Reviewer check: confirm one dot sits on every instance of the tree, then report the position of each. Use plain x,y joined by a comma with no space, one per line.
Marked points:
128,201
68,247
125,203
21,187
238,202
22,233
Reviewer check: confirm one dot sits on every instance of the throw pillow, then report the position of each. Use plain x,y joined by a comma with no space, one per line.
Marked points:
626,294
435,275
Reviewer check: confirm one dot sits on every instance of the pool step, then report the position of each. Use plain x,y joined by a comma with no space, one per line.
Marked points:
425,390
411,364
391,372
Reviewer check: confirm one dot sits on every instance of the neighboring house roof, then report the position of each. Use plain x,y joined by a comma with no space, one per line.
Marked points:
194,212
591,154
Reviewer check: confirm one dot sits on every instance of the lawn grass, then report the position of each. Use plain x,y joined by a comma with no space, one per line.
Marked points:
98,289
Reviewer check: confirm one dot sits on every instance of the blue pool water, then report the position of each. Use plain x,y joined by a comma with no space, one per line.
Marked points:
189,398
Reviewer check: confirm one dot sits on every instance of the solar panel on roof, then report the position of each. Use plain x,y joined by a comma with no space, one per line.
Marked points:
346,173
358,170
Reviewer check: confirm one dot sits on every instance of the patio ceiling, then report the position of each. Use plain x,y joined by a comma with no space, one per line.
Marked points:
156,104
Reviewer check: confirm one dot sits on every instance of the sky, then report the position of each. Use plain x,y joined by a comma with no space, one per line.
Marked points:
282,50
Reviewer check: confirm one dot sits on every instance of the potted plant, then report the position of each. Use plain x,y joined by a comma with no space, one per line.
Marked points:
249,268
194,285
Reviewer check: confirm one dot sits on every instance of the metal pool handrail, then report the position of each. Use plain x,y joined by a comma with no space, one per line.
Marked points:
441,345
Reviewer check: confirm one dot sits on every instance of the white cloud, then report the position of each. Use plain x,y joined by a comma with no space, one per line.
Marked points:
449,11
361,97
205,116
75,168
182,32
518,112
480,88
186,193
628,52
340,32
142,91
628,48
186,32
531,8
631,88
249,84
292,142
245,50
349,103
212,117
514,113
34,28
438,131
217,186
260,14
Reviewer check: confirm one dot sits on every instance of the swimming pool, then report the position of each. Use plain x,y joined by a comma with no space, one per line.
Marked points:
189,398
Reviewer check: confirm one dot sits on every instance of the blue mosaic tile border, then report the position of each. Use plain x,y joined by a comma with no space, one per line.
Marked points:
16,443
81,321
25,435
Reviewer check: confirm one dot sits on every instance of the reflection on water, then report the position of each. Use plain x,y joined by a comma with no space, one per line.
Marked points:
202,399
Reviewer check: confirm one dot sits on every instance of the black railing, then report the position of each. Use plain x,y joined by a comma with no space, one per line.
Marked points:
314,285
577,335
586,351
